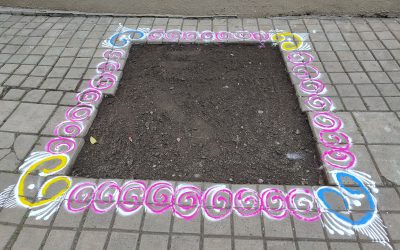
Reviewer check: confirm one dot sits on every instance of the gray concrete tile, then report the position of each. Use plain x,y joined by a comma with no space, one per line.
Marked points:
59,239
28,118
217,243
316,245
89,240
122,240
379,127
280,245
388,160
181,242
153,241
6,232
29,238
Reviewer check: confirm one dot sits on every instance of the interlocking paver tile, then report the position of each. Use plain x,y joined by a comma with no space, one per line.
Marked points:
6,231
89,240
121,240
312,245
379,127
280,245
388,160
59,239
217,243
29,238
28,118
182,242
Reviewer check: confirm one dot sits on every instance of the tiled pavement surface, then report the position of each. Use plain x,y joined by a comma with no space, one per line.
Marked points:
44,62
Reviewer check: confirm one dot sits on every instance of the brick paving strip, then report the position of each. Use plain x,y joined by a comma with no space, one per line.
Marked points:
349,66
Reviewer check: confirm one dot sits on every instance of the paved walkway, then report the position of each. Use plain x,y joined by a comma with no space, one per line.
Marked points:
346,73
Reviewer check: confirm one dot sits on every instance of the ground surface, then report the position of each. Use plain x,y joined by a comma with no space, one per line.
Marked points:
253,8
225,113
45,61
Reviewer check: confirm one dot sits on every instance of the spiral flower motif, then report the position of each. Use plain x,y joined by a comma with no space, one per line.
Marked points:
222,36
243,35
274,203
80,112
302,205
319,103
103,81
80,197
303,71
247,202
260,36
106,197
300,58
190,36
187,202
339,158
217,202
334,140
114,54
207,36
68,129
60,145
312,86
89,96
131,198
172,35
159,197
108,67
327,121
156,35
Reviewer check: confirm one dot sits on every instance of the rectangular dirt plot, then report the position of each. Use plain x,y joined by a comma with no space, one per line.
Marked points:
225,113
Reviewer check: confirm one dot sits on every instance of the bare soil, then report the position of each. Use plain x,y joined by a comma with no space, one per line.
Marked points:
212,113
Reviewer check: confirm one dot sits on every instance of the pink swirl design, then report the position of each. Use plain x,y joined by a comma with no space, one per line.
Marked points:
222,36
89,96
103,81
302,205
80,197
68,129
243,34
190,36
80,112
115,54
108,67
159,197
318,103
172,35
312,86
187,202
247,202
131,197
300,58
156,35
339,158
217,203
274,203
260,36
303,71
327,121
60,145
207,36
106,197
334,140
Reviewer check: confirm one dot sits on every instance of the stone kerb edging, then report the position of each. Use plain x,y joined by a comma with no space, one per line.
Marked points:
332,205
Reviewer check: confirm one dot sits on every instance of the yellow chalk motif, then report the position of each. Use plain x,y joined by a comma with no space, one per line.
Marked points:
42,192
287,40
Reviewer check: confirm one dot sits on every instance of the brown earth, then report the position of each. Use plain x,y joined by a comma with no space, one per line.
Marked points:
211,113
